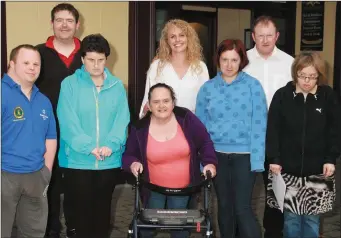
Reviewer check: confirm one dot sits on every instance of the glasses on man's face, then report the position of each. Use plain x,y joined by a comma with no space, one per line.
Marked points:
269,37
307,77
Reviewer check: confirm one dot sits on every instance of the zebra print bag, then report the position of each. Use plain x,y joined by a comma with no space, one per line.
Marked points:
311,195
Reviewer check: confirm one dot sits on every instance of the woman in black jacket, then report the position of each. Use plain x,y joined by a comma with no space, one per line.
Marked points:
303,143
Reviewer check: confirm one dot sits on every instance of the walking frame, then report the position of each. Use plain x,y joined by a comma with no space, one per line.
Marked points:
172,219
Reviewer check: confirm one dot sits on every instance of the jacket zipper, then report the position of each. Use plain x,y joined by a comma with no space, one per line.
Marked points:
97,124
303,139
97,117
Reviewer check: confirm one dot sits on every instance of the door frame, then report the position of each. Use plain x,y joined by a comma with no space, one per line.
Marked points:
3,39
212,69
337,56
141,51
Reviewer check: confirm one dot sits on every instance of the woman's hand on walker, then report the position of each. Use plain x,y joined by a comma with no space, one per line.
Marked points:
210,167
136,168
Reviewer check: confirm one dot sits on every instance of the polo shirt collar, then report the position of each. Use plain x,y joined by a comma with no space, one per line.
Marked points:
10,82
49,43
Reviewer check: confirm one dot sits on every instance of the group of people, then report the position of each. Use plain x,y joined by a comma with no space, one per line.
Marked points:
64,120
264,111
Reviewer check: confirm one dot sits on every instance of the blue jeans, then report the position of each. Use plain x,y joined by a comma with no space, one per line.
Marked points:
234,186
158,200
301,226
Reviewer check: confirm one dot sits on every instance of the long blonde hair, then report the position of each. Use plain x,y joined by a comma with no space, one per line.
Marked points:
194,50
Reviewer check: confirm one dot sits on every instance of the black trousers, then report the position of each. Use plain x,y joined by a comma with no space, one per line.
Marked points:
89,193
53,195
273,220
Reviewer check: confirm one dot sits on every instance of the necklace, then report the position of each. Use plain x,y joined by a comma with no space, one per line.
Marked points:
99,86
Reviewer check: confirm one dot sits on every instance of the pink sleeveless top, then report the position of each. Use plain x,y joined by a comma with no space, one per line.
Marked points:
168,161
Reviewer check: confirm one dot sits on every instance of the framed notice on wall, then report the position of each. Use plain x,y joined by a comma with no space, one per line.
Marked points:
312,26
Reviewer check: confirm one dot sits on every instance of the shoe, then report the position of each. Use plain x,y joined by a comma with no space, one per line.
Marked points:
70,233
52,234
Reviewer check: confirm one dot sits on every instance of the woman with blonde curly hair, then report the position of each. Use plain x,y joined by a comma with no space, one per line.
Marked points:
178,63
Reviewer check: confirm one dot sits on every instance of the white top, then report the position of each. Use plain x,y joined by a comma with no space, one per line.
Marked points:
185,89
273,72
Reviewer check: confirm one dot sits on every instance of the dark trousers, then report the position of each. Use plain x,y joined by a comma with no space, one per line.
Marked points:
273,220
234,186
56,188
89,193
53,197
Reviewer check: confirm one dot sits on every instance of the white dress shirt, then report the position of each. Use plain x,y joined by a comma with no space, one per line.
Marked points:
185,89
273,72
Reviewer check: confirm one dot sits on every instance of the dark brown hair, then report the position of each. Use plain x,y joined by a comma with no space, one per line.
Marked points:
162,85
95,43
14,53
232,44
65,7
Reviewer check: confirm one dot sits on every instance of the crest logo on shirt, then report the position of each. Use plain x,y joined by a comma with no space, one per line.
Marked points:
43,115
18,113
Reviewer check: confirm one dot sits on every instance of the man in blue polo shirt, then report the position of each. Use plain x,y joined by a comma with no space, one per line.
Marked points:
29,143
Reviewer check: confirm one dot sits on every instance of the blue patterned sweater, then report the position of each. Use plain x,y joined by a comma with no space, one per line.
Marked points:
235,115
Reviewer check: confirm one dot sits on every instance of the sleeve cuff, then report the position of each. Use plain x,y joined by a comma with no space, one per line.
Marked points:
257,168
274,160
328,160
114,146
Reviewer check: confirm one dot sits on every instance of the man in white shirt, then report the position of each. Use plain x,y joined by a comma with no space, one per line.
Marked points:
272,67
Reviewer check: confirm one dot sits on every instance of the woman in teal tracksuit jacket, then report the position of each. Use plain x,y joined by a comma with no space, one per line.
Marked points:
93,117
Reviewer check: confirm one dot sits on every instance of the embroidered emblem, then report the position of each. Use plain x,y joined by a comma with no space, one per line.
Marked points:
319,110
43,115
18,113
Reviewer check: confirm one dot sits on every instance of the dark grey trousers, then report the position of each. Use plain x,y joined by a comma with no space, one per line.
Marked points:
24,199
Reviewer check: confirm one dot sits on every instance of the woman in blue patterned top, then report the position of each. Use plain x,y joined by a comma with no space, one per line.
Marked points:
233,107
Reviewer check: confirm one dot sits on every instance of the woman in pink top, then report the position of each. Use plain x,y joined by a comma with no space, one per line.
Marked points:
164,145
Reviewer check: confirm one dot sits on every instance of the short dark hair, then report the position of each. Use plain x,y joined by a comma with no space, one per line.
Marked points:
95,43
162,85
15,51
232,44
264,20
65,7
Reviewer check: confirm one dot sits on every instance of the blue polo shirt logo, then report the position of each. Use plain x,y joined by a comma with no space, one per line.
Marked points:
43,115
18,114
